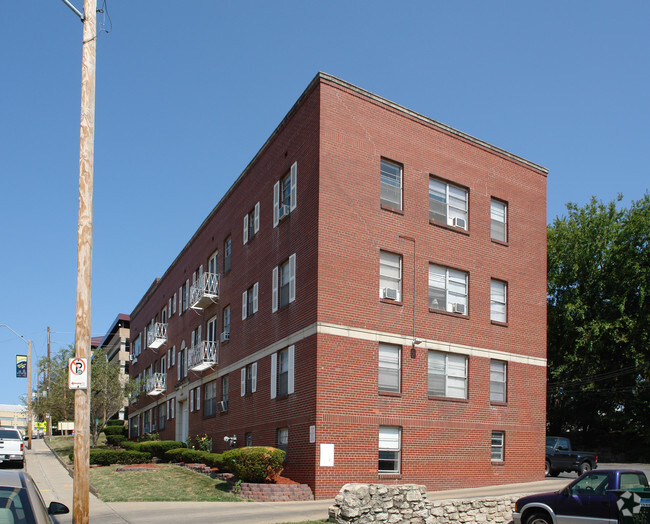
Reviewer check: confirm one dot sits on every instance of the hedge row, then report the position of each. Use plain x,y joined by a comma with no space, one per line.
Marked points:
106,457
114,430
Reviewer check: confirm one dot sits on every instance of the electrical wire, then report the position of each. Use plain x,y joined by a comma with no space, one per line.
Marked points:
102,26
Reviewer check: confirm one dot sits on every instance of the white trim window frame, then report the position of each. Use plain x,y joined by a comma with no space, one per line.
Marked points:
390,275
448,203
498,381
389,367
284,284
391,177
390,449
283,372
251,223
249,301
227,254
498,220
285,193
248,379
447,375
213,263
498,301
448,289
498,446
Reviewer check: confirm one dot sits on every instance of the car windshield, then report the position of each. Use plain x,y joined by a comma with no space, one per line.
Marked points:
14,506
9,433
550,442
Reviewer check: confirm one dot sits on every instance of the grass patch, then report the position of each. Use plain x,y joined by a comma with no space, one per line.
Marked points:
63,445
169,483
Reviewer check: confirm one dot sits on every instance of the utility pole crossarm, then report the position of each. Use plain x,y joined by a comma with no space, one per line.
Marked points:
74,10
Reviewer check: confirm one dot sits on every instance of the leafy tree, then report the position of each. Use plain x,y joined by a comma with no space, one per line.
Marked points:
599,319
109,390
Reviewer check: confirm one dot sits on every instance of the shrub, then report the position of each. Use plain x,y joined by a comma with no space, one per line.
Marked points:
115,440
113,430
106,457
146,437
255,463
129,444
158,447
115,422
190,456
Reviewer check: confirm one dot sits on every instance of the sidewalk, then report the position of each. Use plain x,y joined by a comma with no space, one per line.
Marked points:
56,484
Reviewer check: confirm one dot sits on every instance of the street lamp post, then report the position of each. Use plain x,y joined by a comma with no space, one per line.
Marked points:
29,384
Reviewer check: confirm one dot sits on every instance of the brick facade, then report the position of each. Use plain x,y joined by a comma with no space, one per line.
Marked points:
336,136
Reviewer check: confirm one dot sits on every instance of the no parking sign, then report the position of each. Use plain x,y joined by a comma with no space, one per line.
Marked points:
78,373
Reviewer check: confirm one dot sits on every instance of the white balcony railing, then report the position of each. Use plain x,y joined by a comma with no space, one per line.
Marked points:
157,384
205,291
157,336
203,355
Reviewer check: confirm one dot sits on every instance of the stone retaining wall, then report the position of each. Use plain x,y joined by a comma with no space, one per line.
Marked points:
364,503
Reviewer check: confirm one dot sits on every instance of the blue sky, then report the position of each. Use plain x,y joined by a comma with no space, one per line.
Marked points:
187,92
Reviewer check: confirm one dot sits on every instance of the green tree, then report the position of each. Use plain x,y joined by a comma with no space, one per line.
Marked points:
599,319
53,395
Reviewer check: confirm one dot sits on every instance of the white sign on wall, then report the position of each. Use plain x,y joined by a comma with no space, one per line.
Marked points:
312,434
78,373
327,455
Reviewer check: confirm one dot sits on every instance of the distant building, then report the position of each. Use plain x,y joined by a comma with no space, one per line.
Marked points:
13,416
369,295
116,343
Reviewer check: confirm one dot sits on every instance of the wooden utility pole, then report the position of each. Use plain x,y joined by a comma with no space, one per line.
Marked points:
29,394
49,367
81,487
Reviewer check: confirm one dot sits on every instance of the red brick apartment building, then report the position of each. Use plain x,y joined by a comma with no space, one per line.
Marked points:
369,295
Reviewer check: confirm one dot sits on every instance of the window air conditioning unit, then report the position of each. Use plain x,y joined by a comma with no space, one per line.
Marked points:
458,308
222,406
459,222
225,336
284,211
390,293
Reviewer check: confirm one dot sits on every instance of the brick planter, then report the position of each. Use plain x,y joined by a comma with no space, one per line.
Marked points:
276,492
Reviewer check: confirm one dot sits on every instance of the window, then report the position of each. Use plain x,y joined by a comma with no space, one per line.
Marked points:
211,330
447,375
163,315
162,415
389,367
498,301
210,399
252,223
163,364
174,304
284,283
249,439
147,422
249,301
227,251
183,293
133,427
498,438
498,223
390,276
447,289
225,336
285,195
182,362
136,347
225,388
389,449
172,408
249,379
447,203
391,184
213,263
283,439
192,397
282,372
497,381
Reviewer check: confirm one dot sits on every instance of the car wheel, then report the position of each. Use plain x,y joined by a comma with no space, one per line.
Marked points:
584,467
547,468
539,518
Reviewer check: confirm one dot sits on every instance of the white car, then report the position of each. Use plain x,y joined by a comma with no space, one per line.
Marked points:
21,502
12,446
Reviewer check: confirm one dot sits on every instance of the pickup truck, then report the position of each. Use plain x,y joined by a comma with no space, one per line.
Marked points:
560,457
594,497
12,446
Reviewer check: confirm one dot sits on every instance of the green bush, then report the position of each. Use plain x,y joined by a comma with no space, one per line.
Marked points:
129,444
190,456
115,440
113,430
254,463
158,447
146,437
115,422
106,457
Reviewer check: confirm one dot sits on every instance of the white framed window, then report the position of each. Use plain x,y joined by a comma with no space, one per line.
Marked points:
498,391
391,184
192,397
283,439
227,254
137,346
210,399
390,276
249,379
448,289
249,301
251,223
225,388
162,415
213,263
284,284
390,357
225,334
498,220
498,445
285,195
163,364
498,295
283,372
174,304
447,375
390,447
448,203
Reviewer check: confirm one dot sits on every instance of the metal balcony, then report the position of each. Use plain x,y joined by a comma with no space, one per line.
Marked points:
203,356
156,384
157,336
205,291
